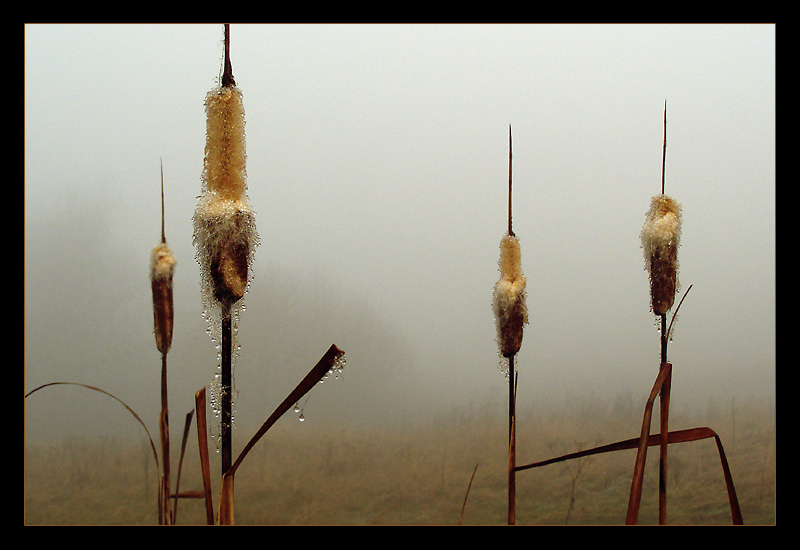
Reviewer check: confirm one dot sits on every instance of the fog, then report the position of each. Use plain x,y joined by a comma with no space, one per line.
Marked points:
377,168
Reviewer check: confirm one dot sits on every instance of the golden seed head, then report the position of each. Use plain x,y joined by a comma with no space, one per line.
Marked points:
162,269
510,310
660,240
225,154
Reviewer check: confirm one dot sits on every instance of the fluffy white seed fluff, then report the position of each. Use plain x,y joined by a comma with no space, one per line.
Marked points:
162,263
660,240
662,228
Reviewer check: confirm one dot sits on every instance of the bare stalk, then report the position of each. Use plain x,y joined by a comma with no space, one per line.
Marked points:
226,428
510,231
512,443
664,150
469,486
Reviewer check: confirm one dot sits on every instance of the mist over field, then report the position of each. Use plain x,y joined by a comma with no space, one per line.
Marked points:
377,168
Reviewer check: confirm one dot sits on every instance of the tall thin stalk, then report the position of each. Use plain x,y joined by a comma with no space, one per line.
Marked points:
512,388
660,240
665,389
226,391
511,315
162,269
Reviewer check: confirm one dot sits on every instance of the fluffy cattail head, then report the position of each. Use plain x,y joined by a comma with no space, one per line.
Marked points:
225,235
510,311
660,240
224,224
162,269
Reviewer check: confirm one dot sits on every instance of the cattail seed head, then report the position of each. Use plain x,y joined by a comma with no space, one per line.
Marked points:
225,234
510,311
660,240
225,154
224,225
162,269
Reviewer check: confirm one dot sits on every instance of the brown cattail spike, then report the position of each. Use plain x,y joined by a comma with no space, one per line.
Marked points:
660,240
162,269
225,230
510,310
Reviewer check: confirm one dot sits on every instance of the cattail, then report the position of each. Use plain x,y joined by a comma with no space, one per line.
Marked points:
660,241
162,269
510,311
224,224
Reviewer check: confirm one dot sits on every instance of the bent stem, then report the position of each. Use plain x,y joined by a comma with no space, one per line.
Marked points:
130,410
635,498
679,436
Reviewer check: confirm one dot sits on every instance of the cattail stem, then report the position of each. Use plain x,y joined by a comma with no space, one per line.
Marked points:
664,395
227,73
510,231
164,429
226,402
512,443
162,268
163,234
664,150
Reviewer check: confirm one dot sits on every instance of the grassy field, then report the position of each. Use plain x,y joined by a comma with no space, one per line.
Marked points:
302,474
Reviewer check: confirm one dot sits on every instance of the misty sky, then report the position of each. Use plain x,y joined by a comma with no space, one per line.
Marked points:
377,167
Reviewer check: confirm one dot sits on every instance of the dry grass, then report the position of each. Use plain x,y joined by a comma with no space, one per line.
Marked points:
302,474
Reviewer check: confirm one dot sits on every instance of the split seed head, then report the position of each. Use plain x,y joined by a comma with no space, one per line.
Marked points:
660,240
510,310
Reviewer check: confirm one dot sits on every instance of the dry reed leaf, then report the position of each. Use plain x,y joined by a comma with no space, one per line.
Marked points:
646,440
332,361
202,441
226,499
